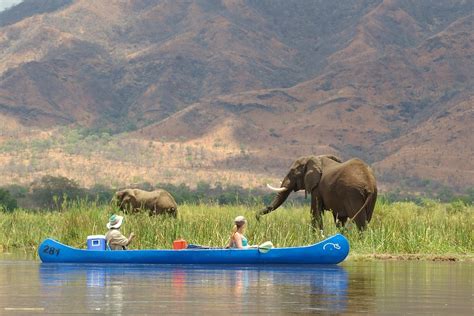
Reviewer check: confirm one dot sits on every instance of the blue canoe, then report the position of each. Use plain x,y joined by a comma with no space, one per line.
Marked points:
332,250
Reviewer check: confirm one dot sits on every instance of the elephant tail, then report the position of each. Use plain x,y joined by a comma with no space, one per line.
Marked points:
369,201
370,208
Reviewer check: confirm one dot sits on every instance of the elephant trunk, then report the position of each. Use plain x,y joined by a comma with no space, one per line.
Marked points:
280,198
115,202
277,201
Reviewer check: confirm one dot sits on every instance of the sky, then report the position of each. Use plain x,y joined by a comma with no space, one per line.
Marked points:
4,4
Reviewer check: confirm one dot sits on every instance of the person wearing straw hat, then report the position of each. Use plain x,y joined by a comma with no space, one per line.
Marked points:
114,237
237,238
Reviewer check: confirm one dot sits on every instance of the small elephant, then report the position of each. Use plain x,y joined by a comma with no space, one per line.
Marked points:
156,202
348,189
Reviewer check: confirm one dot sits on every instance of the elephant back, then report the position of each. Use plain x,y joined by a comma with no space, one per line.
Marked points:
165,199
353,173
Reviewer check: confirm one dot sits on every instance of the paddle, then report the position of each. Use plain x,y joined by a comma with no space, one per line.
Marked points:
265,247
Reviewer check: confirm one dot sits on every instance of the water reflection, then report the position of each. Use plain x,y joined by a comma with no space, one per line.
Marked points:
386,287
124,289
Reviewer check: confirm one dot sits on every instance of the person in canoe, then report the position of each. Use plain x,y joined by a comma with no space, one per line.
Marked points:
237,238
115,239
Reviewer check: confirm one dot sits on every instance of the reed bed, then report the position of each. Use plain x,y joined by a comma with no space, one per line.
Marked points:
396,228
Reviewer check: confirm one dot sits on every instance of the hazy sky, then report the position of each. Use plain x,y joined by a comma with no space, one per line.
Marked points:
8,3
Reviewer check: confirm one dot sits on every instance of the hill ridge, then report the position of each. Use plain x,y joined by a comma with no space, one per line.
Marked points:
256,84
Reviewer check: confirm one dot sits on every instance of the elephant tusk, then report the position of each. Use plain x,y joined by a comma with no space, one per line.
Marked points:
276,189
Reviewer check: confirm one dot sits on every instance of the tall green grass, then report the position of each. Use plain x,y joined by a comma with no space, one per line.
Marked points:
396,228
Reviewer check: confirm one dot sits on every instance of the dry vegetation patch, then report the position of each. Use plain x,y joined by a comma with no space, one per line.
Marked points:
120,161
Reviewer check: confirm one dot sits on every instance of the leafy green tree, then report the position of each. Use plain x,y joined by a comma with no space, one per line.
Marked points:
7,202
100,193
468,196
203,191
445,194
16,191
51,192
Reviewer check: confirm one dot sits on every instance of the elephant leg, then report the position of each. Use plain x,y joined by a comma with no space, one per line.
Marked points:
317,220
364,212
158,210
360,218
371,205
361,221
341,221
356,211
316,213
168,212
129,209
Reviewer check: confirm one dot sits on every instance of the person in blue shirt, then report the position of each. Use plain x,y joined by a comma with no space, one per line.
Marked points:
237,238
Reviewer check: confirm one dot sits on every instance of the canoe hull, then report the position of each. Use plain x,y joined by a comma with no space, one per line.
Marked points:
332,250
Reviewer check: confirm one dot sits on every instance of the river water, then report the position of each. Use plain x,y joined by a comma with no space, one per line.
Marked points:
377,287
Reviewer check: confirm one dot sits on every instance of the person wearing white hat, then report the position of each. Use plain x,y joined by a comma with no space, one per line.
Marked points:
114,237
237,238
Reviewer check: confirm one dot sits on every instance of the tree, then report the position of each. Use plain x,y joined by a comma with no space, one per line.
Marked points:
101,193
51,192
445,194
469,197
7,202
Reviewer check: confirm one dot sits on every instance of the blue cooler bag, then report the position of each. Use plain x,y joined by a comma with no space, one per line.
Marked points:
96,242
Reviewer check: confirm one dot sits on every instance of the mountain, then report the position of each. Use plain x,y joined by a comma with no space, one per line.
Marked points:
387,81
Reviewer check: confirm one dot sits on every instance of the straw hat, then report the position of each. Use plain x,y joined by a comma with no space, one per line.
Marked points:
115,221
240,220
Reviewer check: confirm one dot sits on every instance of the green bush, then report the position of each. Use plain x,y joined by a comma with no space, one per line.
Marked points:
456,206
51,192
100,193
7,202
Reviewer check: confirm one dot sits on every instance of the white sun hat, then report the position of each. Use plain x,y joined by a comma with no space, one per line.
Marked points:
115,221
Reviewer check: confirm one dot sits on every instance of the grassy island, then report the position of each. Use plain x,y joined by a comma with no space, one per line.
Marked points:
402,230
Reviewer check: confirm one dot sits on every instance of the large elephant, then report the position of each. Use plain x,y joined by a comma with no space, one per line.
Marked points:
156,202
348,189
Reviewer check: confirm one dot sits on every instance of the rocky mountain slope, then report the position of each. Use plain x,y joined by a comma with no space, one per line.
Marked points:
387,81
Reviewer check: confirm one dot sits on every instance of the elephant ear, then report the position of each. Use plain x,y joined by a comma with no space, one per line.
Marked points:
131,195
312,175
127,195
119,195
